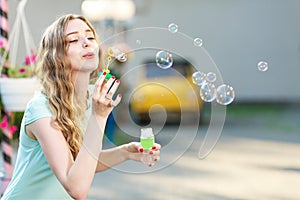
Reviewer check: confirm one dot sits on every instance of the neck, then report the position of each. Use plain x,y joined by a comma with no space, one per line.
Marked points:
81,83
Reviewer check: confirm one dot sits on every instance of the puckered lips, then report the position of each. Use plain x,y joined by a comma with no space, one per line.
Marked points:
89,55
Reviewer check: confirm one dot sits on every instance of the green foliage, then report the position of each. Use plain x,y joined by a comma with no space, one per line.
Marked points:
20,71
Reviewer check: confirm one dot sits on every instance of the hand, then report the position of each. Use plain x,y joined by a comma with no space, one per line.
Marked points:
137,153
102,102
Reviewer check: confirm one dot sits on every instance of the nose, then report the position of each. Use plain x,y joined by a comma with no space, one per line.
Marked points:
85,43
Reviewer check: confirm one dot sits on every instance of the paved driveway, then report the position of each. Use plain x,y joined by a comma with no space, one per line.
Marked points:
257,157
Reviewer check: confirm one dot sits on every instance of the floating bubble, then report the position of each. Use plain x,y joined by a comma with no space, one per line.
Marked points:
164,59
199,78
198,42
173,28
138,42
262,66
121,57
208,92
117,53
225,94
211,77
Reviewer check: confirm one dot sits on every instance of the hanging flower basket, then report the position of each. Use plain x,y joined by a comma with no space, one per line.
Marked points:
16,92
17,83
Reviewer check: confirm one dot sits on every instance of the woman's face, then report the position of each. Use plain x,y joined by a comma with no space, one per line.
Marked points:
82,48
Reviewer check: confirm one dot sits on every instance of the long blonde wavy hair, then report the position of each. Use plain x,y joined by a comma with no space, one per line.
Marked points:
55,74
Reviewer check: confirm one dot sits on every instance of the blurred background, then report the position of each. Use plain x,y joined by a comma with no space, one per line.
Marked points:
236,33
255,139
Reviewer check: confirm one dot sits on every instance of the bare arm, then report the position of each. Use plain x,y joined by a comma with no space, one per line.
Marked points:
76,175
131,151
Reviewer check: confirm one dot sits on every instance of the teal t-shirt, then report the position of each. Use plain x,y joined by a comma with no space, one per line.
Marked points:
33,178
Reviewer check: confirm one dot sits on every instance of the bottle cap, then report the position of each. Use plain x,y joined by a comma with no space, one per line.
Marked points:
146,133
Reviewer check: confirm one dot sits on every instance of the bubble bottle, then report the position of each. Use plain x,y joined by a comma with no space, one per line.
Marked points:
147,142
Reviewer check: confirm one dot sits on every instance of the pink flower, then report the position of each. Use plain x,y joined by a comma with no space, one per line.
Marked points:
1,43
4,123
33,58
27,60
30,59
22,70
13,129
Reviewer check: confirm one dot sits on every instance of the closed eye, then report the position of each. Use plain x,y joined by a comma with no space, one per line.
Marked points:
73,41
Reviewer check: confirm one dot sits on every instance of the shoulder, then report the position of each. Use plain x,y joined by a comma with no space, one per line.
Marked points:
38,99
38,107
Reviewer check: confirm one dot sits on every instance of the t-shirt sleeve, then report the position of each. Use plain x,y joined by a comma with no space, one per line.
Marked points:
37,108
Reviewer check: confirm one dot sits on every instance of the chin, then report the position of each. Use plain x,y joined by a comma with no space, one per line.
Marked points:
90,66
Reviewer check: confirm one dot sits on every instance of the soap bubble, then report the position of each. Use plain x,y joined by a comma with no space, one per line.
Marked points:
121,57
199,78
208,92
164,59
138,42
117,53
262,66
211,77
225,94
173,28
198,42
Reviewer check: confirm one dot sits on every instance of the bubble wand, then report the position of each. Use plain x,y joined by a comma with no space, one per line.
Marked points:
112,52
107,62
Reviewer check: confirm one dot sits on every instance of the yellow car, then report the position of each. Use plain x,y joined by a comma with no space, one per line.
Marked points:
169,91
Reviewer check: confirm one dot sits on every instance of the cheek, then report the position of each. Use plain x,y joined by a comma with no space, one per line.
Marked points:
73,57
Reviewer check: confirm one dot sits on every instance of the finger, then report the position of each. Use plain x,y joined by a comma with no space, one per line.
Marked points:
98,85
117,100
156,146
106,87
155,153
150,164
153,160
141,149
156,158
113,89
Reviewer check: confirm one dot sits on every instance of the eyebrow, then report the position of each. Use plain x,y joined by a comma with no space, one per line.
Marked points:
76,32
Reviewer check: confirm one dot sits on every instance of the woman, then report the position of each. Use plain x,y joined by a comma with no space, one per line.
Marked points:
58,155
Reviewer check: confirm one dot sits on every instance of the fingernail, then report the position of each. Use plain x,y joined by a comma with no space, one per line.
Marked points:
154,147
118,81
141,150
120,95
151,152
155,159
113,77
104,73
150,165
